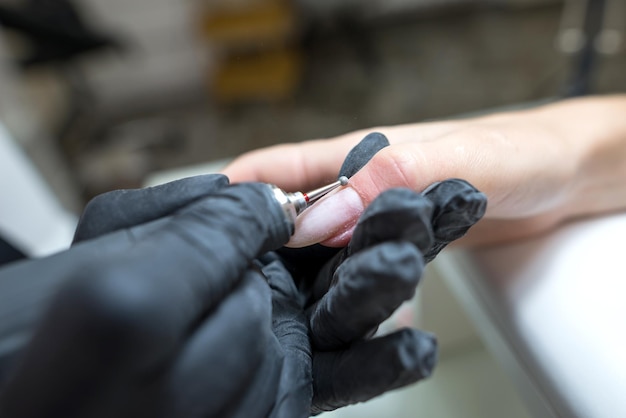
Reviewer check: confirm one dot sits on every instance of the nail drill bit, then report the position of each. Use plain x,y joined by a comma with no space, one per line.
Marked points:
294,204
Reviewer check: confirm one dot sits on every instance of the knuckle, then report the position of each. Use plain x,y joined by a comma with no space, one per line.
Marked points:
389,270
406,262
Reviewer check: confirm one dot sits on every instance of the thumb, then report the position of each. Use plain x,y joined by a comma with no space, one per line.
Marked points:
332,220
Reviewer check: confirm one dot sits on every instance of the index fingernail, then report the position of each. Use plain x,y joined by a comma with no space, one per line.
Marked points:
331,217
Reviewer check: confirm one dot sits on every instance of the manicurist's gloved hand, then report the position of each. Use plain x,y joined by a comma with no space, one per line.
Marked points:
162,308
343,295
155,312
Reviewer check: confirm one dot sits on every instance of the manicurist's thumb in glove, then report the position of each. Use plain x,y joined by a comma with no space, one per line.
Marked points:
154,312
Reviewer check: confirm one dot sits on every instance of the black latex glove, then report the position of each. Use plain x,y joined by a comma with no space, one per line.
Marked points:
145,370
347,293
162,319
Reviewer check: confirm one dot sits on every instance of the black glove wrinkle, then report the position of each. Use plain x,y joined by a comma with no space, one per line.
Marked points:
326,277
304,264
290,328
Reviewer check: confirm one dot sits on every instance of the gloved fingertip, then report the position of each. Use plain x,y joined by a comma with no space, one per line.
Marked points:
457,195
457,207
411,353
362,153
422,353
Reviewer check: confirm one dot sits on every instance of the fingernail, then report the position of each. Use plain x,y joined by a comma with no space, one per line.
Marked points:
330,218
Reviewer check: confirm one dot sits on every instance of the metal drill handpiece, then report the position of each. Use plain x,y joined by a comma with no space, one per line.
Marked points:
294,203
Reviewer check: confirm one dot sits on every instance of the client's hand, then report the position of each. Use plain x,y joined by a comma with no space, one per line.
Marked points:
538,167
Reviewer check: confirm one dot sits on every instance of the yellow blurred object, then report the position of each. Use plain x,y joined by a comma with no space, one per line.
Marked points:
255,49
271,23
266,75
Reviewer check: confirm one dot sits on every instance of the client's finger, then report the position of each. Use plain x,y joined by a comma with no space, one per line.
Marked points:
292,167
311,164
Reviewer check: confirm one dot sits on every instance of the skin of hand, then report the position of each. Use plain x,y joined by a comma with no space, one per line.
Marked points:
538,167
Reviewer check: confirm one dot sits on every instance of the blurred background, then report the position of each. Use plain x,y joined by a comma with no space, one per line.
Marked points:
106,94
114,90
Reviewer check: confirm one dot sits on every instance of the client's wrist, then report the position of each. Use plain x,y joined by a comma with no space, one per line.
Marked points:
595,129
